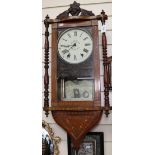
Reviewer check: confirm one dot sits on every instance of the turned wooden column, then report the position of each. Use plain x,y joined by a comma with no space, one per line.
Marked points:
46,66
107,106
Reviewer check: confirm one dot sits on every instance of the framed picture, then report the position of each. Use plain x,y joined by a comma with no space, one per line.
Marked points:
93,144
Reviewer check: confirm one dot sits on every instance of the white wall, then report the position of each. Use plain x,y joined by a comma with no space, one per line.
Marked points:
53,8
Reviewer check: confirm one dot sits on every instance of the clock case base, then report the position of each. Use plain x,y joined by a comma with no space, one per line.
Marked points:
77,123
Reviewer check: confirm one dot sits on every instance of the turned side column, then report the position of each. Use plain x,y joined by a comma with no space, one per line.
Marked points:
107,106
46,67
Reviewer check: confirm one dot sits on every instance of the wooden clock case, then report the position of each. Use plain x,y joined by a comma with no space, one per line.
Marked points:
76,117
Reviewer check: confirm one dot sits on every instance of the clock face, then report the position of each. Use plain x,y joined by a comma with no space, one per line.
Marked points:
75,45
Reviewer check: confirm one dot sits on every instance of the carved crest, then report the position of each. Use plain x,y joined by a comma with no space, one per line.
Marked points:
75,10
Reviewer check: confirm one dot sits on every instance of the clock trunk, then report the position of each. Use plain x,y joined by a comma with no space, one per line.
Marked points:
75,84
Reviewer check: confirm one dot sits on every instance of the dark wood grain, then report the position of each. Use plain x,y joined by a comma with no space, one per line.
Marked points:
96,68
109,61
107,106
76,19
46,66
75,24
54,63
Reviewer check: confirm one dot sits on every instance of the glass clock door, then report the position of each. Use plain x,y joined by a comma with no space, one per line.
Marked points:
76,90
75,65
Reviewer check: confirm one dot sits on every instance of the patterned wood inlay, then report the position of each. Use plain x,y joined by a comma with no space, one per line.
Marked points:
77,123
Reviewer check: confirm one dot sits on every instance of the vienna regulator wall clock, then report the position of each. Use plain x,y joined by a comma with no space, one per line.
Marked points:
75,71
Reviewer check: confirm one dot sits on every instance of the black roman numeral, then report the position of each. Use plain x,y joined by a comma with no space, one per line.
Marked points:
75,57
85,50
75,33
85,38
69,35
64,39
87,44
65,51
82,54
68,56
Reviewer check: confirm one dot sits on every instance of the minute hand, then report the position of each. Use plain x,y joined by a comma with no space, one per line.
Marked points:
66,45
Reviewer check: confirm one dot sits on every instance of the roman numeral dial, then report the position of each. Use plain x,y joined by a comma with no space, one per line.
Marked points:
75,45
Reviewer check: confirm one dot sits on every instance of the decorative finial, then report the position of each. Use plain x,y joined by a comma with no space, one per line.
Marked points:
46,21
47,17
74,9
104,17
75,4
103,13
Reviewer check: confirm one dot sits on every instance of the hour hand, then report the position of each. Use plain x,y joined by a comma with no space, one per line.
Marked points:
72,45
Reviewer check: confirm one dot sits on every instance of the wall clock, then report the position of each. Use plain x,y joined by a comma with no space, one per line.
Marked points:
75,80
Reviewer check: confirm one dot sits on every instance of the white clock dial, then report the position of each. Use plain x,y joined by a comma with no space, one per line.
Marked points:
75,46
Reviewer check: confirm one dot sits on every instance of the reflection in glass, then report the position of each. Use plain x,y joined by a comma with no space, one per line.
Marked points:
76,90
49,140
47,143
87,148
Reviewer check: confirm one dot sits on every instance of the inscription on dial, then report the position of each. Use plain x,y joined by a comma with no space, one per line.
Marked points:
75,45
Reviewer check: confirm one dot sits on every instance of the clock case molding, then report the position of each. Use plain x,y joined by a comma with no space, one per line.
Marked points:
76,118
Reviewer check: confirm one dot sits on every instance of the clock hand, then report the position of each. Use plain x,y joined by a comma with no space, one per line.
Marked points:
66,45
72,46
